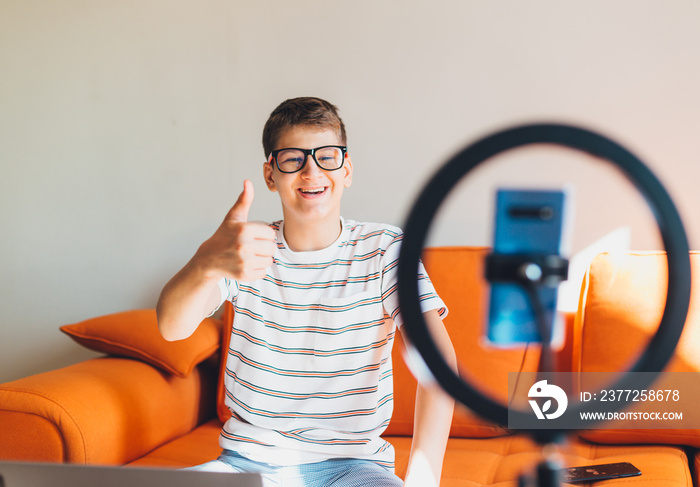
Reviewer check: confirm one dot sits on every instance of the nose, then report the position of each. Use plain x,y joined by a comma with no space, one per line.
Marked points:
310,169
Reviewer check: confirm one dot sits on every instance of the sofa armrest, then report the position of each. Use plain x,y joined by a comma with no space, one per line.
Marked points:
106,410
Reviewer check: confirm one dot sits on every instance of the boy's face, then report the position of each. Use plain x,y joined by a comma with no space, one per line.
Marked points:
312,194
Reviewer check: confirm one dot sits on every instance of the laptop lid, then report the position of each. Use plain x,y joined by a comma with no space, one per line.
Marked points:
22,474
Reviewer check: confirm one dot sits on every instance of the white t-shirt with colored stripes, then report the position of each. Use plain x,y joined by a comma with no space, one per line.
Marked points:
309,373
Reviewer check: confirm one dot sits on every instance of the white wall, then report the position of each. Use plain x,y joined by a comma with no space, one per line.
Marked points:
126,128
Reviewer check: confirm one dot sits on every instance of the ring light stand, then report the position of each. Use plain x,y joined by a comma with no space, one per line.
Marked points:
659,349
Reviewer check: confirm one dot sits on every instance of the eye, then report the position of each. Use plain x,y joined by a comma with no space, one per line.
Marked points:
292,160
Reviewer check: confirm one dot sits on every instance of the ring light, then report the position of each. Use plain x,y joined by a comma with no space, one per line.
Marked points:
662,345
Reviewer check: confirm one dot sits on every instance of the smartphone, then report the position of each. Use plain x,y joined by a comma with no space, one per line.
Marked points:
527,222
590,473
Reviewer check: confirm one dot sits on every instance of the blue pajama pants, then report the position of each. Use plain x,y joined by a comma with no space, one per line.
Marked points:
342,472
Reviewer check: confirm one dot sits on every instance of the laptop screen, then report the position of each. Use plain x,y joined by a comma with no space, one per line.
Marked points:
19,474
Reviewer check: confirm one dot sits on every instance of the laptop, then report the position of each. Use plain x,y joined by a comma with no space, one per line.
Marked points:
22,474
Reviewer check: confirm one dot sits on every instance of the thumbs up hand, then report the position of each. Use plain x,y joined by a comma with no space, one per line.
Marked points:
239,211
239,249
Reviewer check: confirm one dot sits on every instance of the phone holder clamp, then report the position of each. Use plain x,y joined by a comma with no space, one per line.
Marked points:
527,269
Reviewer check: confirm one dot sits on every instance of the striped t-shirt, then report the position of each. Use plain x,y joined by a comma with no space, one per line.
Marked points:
309,373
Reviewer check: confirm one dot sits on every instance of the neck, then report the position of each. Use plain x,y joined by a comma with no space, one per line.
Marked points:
310,236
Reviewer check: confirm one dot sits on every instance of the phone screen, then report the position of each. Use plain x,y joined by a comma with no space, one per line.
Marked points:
528,222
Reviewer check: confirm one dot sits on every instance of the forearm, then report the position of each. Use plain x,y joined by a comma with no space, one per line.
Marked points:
432,418
189,297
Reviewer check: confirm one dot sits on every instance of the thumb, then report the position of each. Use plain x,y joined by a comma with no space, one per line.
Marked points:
239,211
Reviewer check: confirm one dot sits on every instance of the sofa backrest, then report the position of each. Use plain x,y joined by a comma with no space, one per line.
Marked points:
458,276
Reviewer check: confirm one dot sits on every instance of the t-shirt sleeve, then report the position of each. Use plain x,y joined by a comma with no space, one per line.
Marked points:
228,289
429,299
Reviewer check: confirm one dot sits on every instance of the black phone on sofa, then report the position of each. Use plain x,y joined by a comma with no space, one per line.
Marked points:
591,473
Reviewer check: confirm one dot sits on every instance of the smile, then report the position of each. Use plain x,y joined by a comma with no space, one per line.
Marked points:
312,192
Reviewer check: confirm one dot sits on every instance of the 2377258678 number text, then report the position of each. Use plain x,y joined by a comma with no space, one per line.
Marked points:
632,395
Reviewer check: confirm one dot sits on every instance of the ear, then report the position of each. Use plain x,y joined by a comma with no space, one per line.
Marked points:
347,167
268,174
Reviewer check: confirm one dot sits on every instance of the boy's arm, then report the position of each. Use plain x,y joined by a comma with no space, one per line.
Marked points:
433,417
186,300
238,250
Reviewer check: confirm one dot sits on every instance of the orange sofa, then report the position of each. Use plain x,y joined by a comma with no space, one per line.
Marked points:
153,403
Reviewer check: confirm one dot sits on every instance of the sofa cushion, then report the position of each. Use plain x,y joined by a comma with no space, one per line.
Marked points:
498,462
135,334
199,446
621,307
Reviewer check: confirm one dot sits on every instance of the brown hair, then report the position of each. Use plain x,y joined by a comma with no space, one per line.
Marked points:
305,111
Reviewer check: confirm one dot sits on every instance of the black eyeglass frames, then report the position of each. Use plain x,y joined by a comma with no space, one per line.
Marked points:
292,159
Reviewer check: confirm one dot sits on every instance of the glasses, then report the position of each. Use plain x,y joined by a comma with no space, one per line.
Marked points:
328,158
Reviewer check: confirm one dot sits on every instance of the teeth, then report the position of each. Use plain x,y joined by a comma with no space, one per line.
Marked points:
313,191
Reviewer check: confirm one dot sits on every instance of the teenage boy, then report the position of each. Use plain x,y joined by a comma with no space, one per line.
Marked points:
309,377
